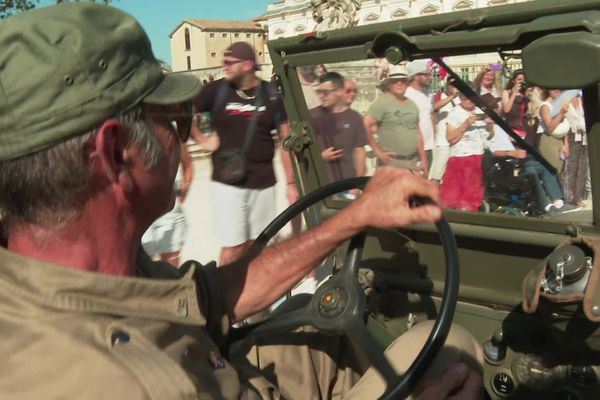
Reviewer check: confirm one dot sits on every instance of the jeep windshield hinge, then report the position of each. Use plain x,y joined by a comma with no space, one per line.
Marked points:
299,137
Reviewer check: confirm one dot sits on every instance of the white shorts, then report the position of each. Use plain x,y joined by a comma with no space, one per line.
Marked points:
167,233
241,214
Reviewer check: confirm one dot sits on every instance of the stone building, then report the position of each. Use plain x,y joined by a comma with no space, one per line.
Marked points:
198,44
293,17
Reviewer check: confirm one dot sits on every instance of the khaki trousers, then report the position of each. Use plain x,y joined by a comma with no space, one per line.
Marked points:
308,365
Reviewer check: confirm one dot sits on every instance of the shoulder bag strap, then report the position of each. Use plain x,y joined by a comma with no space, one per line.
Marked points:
254,119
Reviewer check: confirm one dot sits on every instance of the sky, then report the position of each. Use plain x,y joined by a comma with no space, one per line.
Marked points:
159,17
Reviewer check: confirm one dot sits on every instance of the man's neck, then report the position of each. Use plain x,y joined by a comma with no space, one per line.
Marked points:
338,108
416,85
98,240
247,82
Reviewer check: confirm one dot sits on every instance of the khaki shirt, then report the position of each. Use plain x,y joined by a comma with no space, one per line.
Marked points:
70,334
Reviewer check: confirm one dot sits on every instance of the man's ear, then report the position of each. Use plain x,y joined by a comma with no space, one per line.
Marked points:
111,149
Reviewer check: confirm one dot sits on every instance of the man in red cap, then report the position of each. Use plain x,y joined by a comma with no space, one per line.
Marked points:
244,111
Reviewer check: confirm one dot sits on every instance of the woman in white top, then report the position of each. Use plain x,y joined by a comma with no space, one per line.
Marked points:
566,127
553,143
467,130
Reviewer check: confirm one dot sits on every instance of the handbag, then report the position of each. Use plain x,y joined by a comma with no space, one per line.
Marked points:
230,164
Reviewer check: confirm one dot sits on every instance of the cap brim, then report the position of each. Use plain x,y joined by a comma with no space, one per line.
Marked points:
396,77
174,89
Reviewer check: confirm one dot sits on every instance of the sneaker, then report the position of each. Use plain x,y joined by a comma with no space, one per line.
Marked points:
552,210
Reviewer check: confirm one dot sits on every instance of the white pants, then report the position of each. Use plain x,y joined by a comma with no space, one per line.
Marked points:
241,214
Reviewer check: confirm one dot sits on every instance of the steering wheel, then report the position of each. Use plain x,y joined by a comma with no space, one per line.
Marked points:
338,306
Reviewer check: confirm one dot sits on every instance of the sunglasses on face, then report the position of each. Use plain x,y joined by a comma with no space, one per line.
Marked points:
231,62
180,119
325,92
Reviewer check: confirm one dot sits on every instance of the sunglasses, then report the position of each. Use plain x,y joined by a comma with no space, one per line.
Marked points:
325,92
180,119
232,62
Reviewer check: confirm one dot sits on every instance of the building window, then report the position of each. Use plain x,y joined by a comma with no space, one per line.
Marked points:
189,62
399,13
213,54
187,38
212,35
237,35
259,35
248,35
224,35
260,53
462,5
372,17
429,10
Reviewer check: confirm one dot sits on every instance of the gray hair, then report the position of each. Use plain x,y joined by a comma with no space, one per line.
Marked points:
50,187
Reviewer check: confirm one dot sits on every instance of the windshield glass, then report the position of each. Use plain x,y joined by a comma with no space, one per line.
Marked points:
368,113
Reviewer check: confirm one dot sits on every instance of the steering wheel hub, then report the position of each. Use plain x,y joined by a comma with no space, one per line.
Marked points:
333,302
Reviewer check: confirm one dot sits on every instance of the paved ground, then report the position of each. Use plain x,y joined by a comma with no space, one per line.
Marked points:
200,244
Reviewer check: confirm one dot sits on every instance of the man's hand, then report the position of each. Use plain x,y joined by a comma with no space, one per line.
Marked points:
385,201
518,153
384,156
471,120
459,383
331,154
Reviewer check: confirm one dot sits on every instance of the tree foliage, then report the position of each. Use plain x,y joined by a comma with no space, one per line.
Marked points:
10,7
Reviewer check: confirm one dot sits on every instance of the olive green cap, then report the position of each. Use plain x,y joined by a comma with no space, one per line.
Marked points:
64,69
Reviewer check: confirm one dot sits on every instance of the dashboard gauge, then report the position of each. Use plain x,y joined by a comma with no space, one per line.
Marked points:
532,372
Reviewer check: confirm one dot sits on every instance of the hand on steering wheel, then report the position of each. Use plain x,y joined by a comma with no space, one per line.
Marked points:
338,306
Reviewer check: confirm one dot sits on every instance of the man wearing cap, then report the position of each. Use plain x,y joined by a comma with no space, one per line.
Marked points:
419,75
90,133
245,207
395,120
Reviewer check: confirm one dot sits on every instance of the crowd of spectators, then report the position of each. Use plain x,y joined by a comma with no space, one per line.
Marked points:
445,136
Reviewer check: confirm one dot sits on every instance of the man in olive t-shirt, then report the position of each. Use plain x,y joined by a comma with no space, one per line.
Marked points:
395,120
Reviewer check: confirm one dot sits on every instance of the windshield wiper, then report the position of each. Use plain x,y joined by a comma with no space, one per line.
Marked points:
476,99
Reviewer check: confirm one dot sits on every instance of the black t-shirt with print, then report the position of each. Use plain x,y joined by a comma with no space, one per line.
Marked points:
230,119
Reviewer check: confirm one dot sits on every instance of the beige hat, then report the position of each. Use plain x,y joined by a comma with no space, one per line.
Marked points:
397,72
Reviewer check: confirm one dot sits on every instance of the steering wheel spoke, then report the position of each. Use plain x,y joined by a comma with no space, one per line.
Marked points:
361,339
285,322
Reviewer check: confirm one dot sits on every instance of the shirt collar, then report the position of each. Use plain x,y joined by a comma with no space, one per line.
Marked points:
67,289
